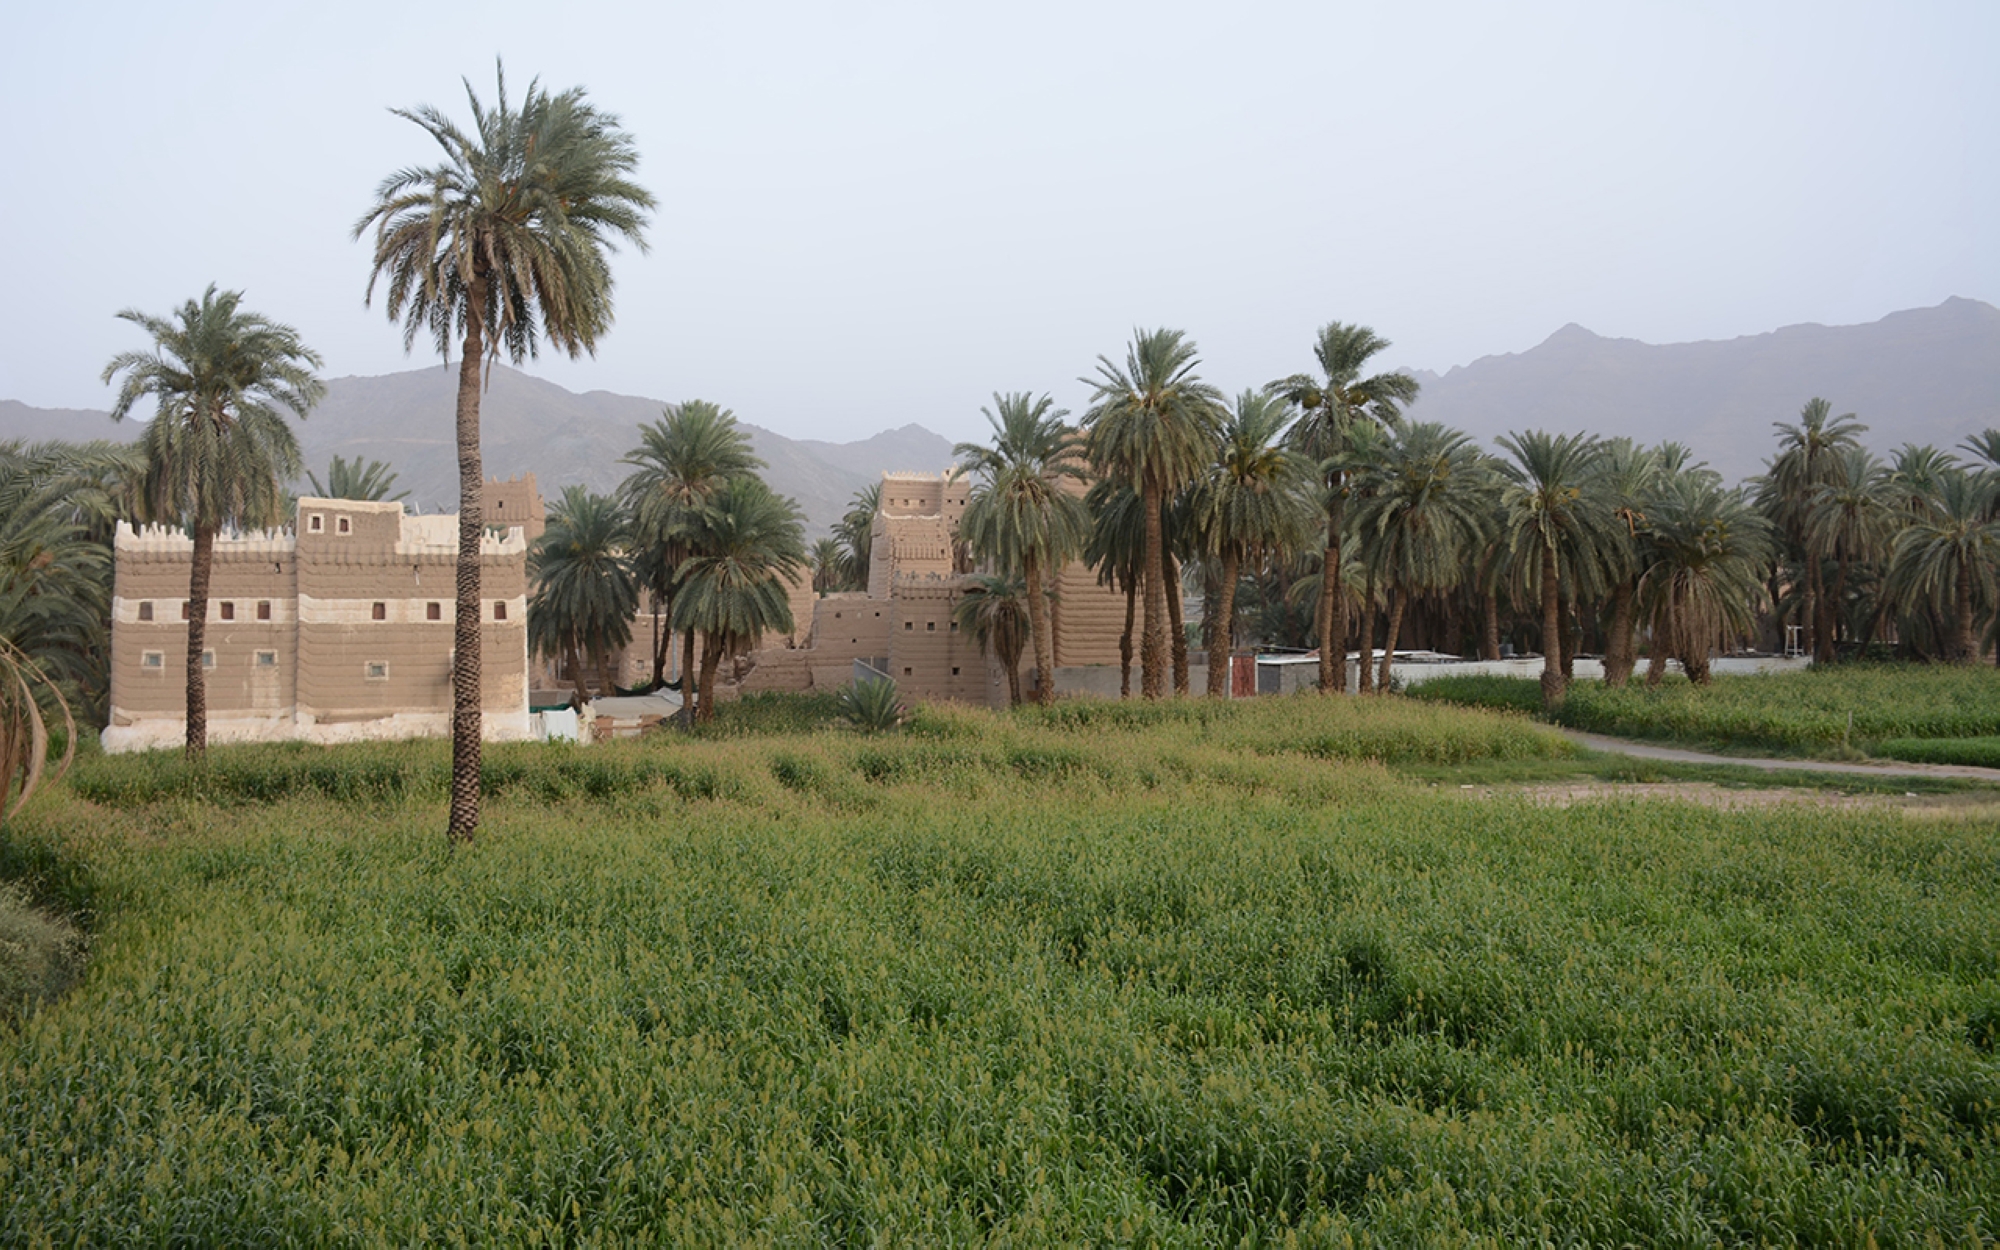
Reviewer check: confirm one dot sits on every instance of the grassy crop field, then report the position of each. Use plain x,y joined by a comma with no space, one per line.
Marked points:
1183,974
1804,713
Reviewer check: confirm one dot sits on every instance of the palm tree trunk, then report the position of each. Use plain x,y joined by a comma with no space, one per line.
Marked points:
465,666
1013,683
1968,649
1332,622
197,676
711,660
1661,646
1220,627
1153,650
574,663
1038,624
1176,624
1553,687
1125,641
1618,648
606,688
1364,680
688,694
1398,602
1811,613
1566,616
1489,642
663,640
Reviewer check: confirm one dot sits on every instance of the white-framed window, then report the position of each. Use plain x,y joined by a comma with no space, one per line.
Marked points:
228,610
152,659
434,611
267,659
145,609
499,609
315,523
263,609
376,670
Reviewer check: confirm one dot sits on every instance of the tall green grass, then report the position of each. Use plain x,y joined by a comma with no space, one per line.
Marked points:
1799,712
1178,975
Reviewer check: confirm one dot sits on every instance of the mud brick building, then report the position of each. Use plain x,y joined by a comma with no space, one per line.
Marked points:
337,631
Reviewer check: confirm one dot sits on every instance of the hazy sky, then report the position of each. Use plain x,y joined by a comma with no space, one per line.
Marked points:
878,214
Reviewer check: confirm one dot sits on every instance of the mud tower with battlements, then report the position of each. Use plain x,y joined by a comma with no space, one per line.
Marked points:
339,630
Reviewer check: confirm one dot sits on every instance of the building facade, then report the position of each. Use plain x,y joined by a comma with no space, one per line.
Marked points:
338,631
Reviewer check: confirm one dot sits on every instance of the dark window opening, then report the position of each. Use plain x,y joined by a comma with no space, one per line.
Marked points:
380,611
263,609
145,609
228,610
434,611
342,526
499,610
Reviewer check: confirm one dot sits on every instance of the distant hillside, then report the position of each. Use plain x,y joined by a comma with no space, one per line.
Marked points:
1929,375
529,425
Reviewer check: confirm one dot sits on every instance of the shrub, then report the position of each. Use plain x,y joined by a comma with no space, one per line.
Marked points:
871,706
40,955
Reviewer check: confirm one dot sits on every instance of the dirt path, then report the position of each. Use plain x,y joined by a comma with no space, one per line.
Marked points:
1678,755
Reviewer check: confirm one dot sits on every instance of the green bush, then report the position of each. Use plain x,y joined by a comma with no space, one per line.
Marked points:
40,955
871,706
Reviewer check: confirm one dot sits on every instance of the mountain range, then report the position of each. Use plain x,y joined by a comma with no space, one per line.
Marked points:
1927,375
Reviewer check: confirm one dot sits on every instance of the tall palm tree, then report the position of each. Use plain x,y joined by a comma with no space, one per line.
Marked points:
356,479
218,450
745,543
502,243
585,587
1425,518
1949,556
994,610
1555,519
1809,457
1026,512
681,462
1252,503
1708,550
1333,402
1152,424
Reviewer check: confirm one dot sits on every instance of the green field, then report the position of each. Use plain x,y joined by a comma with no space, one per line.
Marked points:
1182,974
1795,713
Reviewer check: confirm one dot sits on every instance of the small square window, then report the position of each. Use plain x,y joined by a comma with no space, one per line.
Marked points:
145,609
954,627
263,609
434,611
228,610
184,609
499,609
380,611
376,670
930,627
954,671
267,659
153,659
341,525
909,625
906,672
315,523
208,659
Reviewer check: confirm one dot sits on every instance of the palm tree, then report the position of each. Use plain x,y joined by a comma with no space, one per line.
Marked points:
1332,404
1116,546
356,479
1152,424
856,533
1024,514
1809,457
218,450
745,543
994,610
1554,519
58,503
501,243
1628,476
1425,517
1949,555
1251,504
1852,516
585,588
829,566
1708,550
681,462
